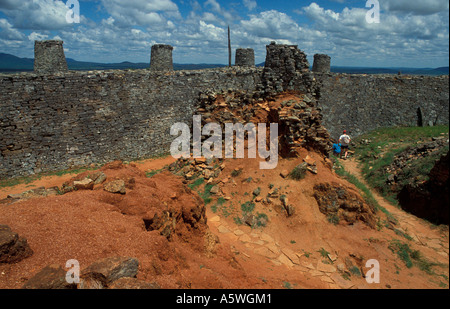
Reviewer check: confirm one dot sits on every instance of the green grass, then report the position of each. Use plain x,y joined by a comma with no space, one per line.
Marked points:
236,173
29,179
354,270
261,219
403,234
366,193
196,183
216,206
206,194
247,207
412,257
324,253
403,252
222,206
384,145
152,173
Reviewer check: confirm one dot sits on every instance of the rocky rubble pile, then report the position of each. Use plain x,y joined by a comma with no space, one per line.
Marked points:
83,181
190,168
395,172
297,115
341,204
107,273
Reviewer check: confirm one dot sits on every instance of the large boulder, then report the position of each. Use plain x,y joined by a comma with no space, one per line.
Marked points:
102,273
49,278
113,272
341,204
13,248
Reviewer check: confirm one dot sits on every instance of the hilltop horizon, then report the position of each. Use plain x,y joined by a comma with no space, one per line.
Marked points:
12,63
405,34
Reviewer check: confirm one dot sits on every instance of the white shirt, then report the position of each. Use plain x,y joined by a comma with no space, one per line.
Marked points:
344,139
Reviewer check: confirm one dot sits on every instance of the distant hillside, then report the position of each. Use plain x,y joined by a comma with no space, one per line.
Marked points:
412,71
11,63
371,70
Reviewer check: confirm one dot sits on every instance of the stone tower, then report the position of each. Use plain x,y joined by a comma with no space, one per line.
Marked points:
245,57
161,58
285,66
49,57
321,63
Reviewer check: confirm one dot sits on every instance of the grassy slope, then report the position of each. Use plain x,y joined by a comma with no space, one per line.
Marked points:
385,144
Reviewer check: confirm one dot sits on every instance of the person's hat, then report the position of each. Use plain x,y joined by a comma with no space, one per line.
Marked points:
345,131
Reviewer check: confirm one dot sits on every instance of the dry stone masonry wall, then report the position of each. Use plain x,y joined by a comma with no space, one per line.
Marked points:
360,103
54,122
245,57
322,63
49,57
58,120
161,58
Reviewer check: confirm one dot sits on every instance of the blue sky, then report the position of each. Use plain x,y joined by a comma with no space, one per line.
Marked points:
411,33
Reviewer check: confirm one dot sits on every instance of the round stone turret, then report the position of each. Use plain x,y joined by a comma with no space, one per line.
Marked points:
245,57
161,58
49,57
322,63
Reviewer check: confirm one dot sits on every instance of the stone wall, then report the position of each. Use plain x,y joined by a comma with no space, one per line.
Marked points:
322,63
55,122
361,103
161,58
49,57
63,120
245,57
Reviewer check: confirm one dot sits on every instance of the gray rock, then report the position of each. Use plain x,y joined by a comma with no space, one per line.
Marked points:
50,277
116,186
13,248
108,270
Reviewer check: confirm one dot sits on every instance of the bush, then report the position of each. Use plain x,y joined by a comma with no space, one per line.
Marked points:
333,218
247,207
236,173
299,172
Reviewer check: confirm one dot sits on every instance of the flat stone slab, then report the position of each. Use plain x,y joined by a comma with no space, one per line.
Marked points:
222,229
328,268
341,282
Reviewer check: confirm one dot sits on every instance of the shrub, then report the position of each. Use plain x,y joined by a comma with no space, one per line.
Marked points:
299,172
333,218
247,207
236,173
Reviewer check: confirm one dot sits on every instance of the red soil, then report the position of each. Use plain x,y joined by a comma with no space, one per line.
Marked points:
90,225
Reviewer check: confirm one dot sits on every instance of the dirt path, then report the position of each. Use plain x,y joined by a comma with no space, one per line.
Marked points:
58,180
422,232
287,253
